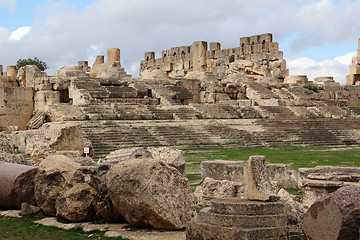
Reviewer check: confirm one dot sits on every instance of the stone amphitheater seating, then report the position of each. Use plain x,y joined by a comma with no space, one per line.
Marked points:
207,133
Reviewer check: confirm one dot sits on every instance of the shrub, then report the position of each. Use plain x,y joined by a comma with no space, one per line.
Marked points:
312,87
23,62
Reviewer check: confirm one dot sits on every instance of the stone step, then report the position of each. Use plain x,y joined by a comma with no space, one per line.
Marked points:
206,231
246,221
238,206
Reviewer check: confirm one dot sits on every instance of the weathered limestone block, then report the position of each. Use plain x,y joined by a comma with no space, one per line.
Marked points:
77,203
296,79
56,175
257,185
235,218
153,74
62,112
27,75
149,193
36,121
324,79
72,71
27,209
109,70
283,175
354,69
99,60
211,189
329,173
16,107
53,137
223,170
113,55
199,49
215,46
335,216
16,185
173,157
11,71
149,55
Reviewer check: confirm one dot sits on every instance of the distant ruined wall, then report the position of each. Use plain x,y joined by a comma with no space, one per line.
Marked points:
16,107
354,71
178,61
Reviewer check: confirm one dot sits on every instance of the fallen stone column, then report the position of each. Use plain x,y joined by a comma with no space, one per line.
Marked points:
16,185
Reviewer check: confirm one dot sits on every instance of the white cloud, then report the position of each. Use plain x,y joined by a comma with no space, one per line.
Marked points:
9,3
19,33
64,34
337,67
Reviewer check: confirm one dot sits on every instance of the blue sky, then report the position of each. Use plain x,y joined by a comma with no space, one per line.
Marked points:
318,37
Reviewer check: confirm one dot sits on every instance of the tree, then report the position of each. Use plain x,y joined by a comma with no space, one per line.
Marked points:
23,62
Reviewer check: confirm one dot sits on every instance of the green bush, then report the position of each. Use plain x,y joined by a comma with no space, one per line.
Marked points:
312,87
23,62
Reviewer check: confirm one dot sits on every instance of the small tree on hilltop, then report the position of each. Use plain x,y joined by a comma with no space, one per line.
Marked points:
23,62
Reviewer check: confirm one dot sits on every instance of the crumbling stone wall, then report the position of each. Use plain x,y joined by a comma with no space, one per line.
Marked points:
16,107
354,72
178,61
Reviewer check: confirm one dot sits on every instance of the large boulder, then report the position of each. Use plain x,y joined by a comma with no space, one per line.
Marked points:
55,176
61,136
257,184
77,203
336,216
173,157
150,193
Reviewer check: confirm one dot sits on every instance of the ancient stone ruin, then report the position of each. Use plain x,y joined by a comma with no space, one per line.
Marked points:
92,142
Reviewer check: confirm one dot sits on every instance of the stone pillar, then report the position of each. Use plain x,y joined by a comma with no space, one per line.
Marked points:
113,55
99,59
11,71
16,185
1,70
199,49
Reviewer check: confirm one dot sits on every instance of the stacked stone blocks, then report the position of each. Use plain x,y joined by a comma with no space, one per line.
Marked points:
178,61
354,71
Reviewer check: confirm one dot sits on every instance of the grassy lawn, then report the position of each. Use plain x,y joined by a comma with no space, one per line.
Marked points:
25,228
297,156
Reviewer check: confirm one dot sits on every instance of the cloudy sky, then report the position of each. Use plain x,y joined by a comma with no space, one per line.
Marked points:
318,37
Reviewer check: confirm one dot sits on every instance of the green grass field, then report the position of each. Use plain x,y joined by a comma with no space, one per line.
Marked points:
297,156
25,229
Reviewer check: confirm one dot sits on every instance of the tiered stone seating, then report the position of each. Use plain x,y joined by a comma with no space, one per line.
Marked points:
93,87
217,111
278,112
233,133
235,218
183,112
171,94
97,111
